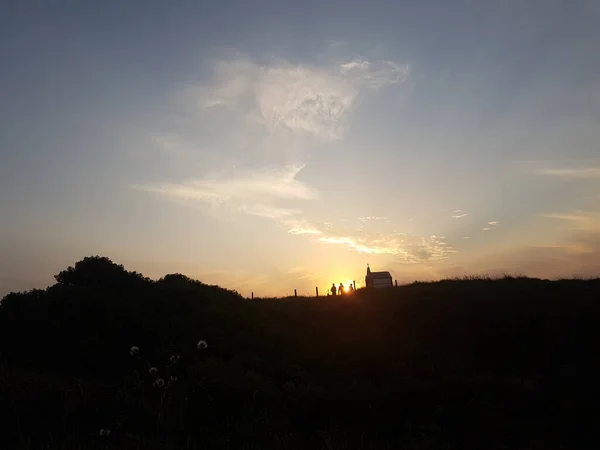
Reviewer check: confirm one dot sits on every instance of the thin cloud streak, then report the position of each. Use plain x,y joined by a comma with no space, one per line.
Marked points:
579,220
572,173
249,192
459,214
301,226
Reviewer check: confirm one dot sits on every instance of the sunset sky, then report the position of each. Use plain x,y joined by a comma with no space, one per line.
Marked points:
271,145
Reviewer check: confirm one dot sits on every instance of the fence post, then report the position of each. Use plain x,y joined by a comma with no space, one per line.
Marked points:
295,294
253,296
396,283
354,284
317,290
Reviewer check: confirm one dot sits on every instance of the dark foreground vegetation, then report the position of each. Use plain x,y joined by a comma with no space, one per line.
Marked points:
108,359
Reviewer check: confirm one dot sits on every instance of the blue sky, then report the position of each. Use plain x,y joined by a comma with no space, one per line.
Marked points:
273,145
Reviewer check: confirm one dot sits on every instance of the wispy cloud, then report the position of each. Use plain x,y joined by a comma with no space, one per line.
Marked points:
302,273
567,169
301,226
171,144
368,218
273,105
376,74
302,99
459,214
491,224
579,220
576,173
250,192
403,247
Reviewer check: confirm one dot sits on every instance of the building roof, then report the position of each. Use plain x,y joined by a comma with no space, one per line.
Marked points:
379,275
376,275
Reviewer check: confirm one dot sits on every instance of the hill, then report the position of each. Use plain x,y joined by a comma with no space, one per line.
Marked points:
175,363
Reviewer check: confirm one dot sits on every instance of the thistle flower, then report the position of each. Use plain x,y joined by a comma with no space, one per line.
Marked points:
133,351
159,382
104,432
153,370
202,345
174,358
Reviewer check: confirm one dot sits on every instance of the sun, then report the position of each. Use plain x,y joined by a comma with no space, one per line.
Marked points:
347,285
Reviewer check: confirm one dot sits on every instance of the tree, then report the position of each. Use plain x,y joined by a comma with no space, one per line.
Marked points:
98,272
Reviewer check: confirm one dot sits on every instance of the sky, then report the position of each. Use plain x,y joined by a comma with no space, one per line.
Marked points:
268,146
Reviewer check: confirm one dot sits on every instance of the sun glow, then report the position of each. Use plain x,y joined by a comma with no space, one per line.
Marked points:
346,285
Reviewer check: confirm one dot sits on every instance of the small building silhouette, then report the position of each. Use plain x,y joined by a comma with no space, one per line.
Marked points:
378,279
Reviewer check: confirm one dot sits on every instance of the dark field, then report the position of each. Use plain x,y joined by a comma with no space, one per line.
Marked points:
462,364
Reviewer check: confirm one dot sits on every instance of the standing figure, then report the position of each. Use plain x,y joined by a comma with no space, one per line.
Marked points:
341,289
333,289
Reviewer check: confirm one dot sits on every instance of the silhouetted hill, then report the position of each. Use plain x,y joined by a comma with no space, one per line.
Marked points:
472,363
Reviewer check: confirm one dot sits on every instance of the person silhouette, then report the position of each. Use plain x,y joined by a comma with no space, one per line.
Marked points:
341,289
350,289
333,289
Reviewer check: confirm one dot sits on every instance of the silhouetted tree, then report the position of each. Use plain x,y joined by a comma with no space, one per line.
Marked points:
98,272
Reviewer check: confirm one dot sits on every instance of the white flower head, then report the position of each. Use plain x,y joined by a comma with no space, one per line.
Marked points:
153,370
174,358
104,432
133,351
173,378
202,345
159,382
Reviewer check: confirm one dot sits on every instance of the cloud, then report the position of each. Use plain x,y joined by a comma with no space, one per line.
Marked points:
171,144
491,224
402,247
367,218
302,273
235,79
578,239
300,226
579,220
304,101
249,192
459,214
577,255
267,211
375,75
571,173
566,169
301,99
268,109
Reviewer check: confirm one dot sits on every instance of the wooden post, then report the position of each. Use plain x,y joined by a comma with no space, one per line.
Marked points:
354,284
396,283
253,296
317,290
295,293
